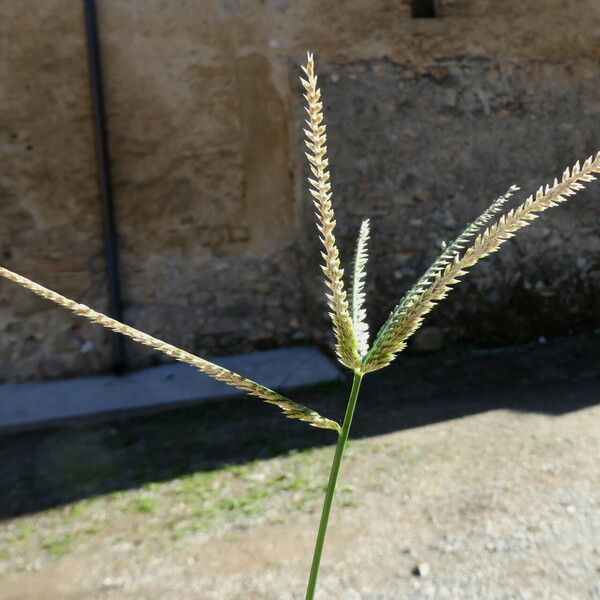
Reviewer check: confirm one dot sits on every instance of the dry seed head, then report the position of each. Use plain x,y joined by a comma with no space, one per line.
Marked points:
407,317
346,338
291,409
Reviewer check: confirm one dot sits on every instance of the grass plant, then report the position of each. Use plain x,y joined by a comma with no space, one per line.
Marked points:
485,235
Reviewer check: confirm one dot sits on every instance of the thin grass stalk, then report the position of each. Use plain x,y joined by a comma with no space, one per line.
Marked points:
331,485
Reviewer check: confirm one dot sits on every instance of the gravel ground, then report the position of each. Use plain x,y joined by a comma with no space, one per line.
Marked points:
484,483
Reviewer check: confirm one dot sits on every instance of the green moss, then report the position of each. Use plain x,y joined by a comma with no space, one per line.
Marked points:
22,533
58,546
142,505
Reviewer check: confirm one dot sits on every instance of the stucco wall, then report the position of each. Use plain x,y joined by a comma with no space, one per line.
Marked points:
428,120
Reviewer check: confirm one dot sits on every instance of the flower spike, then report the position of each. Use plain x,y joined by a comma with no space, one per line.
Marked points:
357,308
408,315
291,409
346,339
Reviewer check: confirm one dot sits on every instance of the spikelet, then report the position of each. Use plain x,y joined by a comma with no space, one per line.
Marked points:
290,409
408,316
346,339
357,297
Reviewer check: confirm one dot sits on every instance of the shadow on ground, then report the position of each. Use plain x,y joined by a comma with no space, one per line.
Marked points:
44,469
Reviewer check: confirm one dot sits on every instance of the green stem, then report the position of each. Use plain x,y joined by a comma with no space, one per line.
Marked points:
333,477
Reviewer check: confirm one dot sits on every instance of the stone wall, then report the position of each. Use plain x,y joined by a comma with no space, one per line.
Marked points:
429,120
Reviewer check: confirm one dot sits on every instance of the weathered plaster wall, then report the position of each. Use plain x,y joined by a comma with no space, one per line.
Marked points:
428,121
49,217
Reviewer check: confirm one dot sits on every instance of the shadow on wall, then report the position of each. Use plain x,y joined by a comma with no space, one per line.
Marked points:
45,469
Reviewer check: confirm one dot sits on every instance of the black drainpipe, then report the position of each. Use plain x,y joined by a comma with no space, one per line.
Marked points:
115,306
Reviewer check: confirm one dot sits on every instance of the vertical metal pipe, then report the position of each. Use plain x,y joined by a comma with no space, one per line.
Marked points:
109,228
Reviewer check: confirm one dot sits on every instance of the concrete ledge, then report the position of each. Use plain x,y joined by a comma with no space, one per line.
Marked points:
32,405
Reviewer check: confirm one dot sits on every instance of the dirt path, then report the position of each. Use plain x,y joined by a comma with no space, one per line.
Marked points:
501,504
